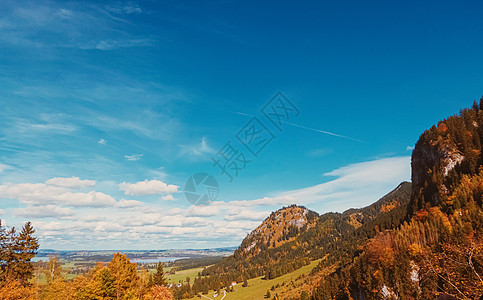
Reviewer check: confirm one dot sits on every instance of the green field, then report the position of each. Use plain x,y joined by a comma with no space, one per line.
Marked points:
181,275
257,287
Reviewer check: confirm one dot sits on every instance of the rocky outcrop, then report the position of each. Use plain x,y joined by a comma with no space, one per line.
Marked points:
280,227
442,154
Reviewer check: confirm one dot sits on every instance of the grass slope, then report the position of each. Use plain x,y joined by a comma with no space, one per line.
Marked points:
257,287
182,274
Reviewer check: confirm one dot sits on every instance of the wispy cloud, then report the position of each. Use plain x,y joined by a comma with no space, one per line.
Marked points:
106,45
355,185
4,167
196,150
246,214
23,125
64,13
320,152
47,211
130,8
133,157
69,25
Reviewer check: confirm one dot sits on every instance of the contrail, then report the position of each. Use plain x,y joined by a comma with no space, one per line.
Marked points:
308,128
326,132
243,114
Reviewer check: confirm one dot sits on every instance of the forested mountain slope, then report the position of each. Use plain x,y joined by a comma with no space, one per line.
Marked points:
438,250
293,236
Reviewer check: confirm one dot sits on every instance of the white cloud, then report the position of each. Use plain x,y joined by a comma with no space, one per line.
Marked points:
48,211
42,194
409,148
175,211
23,125
203,211
245,214
147,187
168,197
92,218
146,219
133,157
42,226
196,150
72,182
356,185
2,211
123,203
102,141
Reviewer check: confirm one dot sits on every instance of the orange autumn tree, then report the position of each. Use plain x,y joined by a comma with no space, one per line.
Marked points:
159,293
126,278
14,290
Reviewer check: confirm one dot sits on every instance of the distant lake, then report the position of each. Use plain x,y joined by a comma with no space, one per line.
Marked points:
39,258
155,260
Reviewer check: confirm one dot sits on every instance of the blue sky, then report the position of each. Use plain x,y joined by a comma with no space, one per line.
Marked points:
108,107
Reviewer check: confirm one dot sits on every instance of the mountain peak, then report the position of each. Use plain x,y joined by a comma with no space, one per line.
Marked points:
280,227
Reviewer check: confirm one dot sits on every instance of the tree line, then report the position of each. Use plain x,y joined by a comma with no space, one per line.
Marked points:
118,279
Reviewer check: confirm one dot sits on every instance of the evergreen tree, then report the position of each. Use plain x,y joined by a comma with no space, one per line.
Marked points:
158,277
16,252
26,246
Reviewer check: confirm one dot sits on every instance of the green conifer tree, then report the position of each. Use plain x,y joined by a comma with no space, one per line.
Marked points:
158,277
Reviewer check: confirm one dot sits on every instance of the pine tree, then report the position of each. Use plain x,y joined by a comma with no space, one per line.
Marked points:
16,252
158,277
26,246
